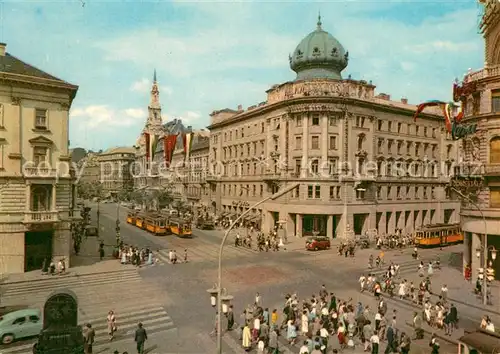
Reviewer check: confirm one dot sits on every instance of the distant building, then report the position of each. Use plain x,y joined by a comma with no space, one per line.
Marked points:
89,169
116,173
36,185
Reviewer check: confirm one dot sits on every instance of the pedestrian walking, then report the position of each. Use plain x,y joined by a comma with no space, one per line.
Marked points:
140,338
111,320
88,338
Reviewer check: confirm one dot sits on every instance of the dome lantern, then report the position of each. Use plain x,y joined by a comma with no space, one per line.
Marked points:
319,56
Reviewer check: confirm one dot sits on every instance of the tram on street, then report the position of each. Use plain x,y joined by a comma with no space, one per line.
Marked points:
180,227
156,224
131,215
140,221
439,235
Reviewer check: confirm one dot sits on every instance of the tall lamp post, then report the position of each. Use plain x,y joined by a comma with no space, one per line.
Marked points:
117,229
220,293
484,244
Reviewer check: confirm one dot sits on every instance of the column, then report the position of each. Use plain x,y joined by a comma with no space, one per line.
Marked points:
329,227
324,145
305,147
298,224
289,226
410,226
382,226
282,147
28,197
53,200
475,262
268,145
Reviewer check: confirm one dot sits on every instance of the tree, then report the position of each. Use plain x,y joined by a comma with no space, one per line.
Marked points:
165,198
89,190
124,195
137,196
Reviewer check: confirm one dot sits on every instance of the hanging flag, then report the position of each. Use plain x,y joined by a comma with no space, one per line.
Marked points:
169,142
152,146
187,141
148,142
446,107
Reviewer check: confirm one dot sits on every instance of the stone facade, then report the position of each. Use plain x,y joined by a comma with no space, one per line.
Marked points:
362,162
116,170
481,210
36,176
89,169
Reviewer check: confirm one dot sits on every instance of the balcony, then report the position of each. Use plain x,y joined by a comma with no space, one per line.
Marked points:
36,217
270,177
39,172
492,170
491,71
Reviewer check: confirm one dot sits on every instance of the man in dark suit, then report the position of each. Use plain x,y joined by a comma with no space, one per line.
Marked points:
453,317
89,337
390,340
140,338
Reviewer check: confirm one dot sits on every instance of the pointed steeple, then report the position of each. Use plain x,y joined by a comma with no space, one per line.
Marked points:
154,109
155,93
154,76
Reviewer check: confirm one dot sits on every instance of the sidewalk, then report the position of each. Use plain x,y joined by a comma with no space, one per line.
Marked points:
106,266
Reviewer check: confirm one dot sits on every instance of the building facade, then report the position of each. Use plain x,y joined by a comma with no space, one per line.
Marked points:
36,180
116,170
362,162
480,93
89,169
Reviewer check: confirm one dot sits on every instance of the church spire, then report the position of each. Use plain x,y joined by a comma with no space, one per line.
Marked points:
319,22
154,76
155,93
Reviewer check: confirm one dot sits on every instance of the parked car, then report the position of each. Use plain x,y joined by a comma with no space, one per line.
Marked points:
317,243
20,324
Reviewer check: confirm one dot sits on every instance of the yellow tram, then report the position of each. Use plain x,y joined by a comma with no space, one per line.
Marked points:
156,224
439,235
131,217
180,227
140,221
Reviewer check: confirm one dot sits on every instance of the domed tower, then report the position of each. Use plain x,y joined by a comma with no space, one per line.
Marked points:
319,56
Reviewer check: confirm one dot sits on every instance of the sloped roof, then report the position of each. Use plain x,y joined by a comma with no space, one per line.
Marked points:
13,65
119,150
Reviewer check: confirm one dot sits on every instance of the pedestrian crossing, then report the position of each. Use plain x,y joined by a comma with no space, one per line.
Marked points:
409,267
204,252
120,291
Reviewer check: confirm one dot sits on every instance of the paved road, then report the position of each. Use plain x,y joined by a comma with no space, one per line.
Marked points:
132,298
180,290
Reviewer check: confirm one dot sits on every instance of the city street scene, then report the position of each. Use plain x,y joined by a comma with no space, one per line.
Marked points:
253,177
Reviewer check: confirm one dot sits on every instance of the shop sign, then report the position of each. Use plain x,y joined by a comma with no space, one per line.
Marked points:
459,131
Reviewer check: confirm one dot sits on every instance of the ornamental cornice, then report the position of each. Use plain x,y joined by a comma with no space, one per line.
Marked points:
312,107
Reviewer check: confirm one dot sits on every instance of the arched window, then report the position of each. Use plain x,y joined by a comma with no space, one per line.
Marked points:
315,166
361,141
495,150
40,198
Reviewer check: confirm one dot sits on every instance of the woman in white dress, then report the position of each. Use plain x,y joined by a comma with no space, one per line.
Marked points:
304,328
402,289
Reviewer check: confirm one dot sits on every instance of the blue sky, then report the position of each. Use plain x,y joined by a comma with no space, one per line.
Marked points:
212,55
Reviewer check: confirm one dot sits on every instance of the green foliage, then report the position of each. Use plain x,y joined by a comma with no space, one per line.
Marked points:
165,198
124,195
89,190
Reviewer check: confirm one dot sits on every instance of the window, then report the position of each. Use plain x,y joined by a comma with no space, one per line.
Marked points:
242,132
495,101
298,142
360,193
398,192
380,146
389,126
495,150
298,166
262,127
333,143
425,131
261,190
40,118
19,321
494,197
34,319
39,155
433,151
389,193
417,149
399,127
332,166
425,193
433,132
361,140
315,142
310,191
417,130
315,119
317,192
380,125
314,166
389,146
448,151
298,121
400,147
332,120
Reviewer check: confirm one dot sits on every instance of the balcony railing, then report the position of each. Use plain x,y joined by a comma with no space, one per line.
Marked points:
40,172
483,73
492,170
32,217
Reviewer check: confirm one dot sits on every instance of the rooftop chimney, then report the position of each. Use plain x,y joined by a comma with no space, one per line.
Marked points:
2,49
404,100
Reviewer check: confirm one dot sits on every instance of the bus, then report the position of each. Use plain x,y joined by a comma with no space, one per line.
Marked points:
180,227
439,235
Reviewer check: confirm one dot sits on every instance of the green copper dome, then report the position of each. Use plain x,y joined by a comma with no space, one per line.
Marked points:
319,56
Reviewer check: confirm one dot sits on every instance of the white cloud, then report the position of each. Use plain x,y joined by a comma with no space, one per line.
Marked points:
106,117
188,118
142,85
445,46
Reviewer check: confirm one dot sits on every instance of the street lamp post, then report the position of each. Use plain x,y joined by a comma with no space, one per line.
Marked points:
118,237
98,216
484,244
221,251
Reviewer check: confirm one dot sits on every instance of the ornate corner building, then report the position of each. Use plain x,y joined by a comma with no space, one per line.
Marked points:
481,89
36,179
362,162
